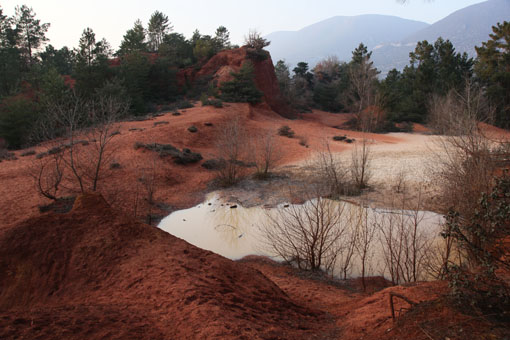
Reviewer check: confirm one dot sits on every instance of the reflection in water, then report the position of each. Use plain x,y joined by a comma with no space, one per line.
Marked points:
234,231
217,226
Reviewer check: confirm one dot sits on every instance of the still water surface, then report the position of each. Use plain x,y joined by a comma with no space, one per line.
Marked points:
233,231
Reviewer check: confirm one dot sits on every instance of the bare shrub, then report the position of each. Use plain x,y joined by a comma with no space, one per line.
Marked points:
145,188
231,150
266,153
477,205
309,235
362,94
399,183
466,163
330,173
83,162
48,173
255,40
366,231
405,244
104,113
286,131
360,164
459,112
347,252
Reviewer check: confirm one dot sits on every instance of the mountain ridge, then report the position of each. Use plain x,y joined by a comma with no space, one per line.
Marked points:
391,39
347,31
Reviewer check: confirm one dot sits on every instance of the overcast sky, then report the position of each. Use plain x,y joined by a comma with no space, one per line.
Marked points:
111,18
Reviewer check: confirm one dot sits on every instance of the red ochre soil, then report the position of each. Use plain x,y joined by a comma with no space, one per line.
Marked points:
94,273
179,186
220,67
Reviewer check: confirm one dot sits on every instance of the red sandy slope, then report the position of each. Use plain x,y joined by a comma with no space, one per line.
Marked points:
94,273
179,186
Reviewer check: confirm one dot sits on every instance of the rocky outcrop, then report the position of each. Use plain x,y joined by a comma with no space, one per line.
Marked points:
219,68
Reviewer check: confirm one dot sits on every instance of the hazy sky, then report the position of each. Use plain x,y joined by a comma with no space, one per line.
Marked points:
111,18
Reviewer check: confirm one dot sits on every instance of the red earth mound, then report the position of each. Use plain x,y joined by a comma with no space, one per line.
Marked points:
222,64
94,273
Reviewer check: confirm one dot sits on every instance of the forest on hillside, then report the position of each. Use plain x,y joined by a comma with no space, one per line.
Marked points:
143,74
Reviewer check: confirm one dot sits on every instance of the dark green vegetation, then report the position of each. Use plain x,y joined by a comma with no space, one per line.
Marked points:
434,70
482,237
242,88
35,76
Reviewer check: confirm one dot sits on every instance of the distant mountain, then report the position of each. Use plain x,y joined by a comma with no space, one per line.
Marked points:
390,38
339,36
465,28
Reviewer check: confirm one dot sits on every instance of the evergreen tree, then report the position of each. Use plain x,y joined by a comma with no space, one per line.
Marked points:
204,48
360,54
87,48
434,69
32,34
283,75
11,62
62,60
177,50
222,39
134,72
134,40
242,88
158,27
331,81
92,68
17,116
163,81
362,86
493,68
5,26
301,93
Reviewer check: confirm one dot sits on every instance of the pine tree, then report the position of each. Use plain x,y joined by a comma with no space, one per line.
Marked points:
134,40
32,34
159,26
242,88
92,68
222,38
493,68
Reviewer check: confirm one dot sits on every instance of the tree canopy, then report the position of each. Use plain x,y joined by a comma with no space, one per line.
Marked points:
493,69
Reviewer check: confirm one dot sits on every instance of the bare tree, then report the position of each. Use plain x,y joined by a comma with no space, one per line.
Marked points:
77,164
330,173
467,163
104,114
255,40
362,77
360,164
231,150
146,187
308,235
459,112
347,251
266,153
406,245
48,173
68,113
366,232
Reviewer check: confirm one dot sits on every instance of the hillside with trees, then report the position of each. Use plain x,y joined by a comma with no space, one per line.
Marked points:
187,188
